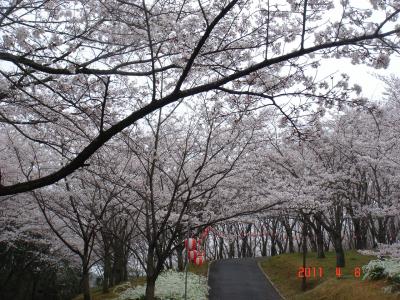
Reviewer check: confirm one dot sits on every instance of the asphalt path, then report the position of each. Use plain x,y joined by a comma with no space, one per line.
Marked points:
239,279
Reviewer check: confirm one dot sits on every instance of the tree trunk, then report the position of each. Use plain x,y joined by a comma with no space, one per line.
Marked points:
231,252
359,234
119,259
313,244
264,242
320,246
215,247
340,259
279,244
382,231
239,252
85,284
273,247
179,253
392,231
289,234
291,244
125,277
327,244
304,246
246,250
106,272
221,248
150,288
151,275
273,238
298,242
320,240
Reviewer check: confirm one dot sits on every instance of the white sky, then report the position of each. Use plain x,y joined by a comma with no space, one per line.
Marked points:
361,74
372,88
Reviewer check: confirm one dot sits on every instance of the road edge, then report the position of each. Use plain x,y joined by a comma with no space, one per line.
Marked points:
208,268
208,273
273,285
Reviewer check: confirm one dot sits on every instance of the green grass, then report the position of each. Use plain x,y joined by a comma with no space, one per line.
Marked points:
283,272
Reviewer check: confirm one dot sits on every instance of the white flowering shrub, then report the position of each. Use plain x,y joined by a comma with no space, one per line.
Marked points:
392,250
170,285
392,270
388,268
374,269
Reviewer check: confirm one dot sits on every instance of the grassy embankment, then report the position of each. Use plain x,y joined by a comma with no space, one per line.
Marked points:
97,293
283,272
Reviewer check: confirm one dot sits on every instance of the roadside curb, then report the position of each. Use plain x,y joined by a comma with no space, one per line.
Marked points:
208,272
273,285
208,268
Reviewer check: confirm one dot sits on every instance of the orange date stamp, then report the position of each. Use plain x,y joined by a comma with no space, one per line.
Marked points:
318,272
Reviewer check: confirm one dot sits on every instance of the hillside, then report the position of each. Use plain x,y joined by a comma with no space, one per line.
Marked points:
283,270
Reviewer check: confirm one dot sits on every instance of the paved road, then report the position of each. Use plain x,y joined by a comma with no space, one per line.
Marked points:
239,279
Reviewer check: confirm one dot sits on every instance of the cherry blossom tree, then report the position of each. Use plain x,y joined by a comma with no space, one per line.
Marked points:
92,69
125,120
183,159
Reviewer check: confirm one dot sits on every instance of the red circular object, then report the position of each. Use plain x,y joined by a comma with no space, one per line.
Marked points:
190,244
192,254
199,260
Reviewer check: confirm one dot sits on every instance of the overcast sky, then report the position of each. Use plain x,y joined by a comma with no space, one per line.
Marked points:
360,74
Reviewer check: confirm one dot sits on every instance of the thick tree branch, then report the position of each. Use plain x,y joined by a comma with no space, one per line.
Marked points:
105,136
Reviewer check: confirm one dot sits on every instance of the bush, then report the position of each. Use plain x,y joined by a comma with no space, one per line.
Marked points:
388,268
374,270
171,285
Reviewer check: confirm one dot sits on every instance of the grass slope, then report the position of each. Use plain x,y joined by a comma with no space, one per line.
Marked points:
283,272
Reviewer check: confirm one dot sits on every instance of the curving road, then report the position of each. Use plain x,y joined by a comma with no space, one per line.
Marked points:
239,279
